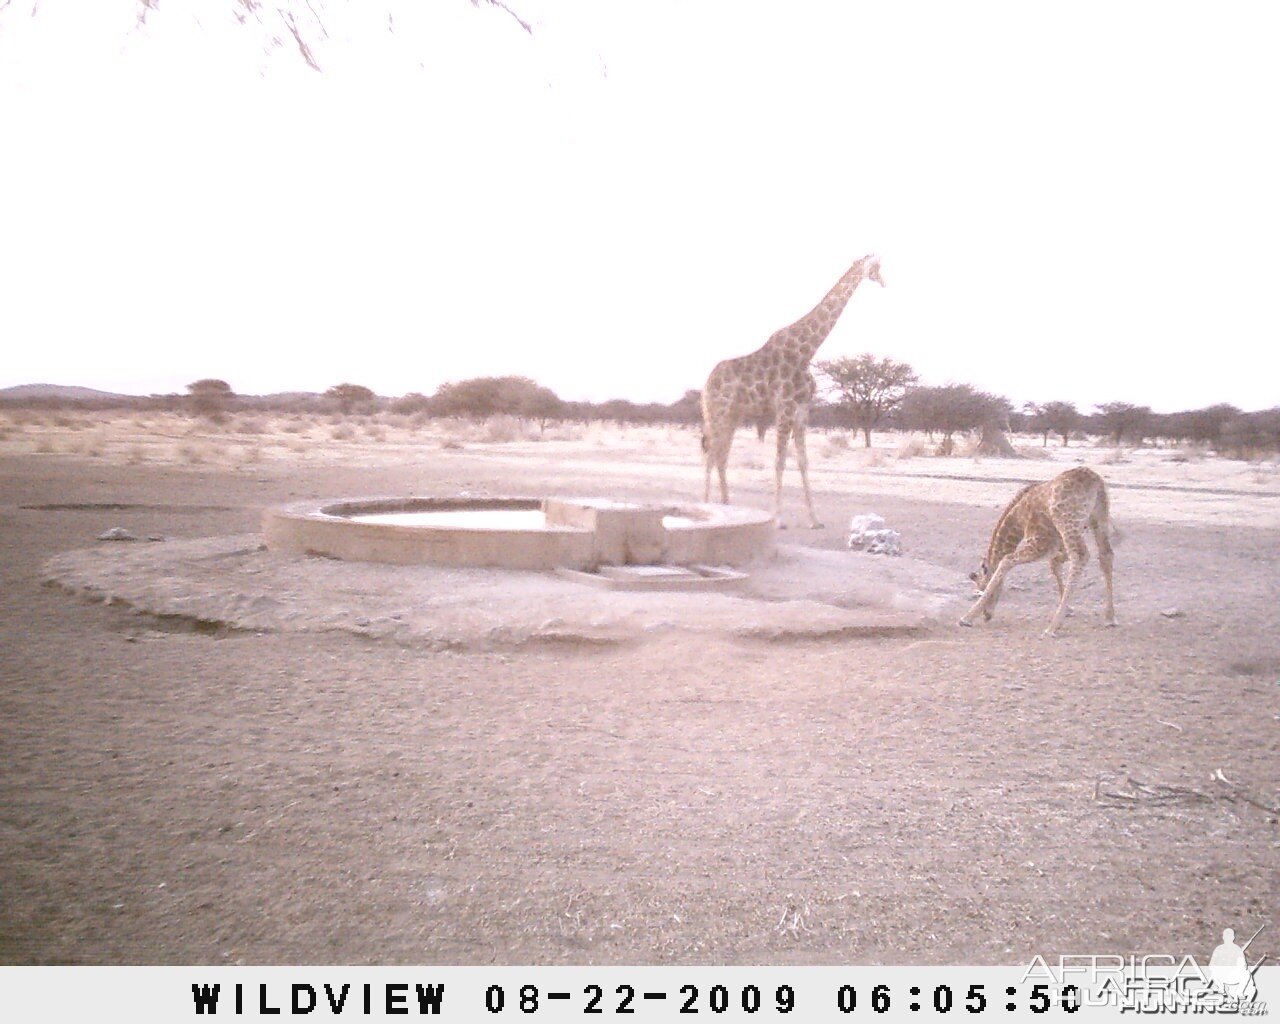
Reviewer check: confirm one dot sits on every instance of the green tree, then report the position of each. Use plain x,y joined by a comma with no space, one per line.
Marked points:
210,396
1206,424
480,397
1118,419
867,388
951,408
413,402
350,397
1054,418
687,408
540,404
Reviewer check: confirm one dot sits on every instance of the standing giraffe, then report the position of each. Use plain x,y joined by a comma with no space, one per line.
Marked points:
1049,518
774,383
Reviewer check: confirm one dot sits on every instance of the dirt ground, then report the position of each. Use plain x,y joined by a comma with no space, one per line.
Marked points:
169,796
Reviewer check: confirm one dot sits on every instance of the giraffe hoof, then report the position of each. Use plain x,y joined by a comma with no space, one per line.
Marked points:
1050,634
1112,624
964,622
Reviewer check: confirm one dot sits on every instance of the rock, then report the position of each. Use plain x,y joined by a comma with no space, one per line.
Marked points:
1172,613
870,533
117,533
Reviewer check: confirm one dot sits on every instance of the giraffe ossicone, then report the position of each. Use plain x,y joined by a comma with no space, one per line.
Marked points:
774,383
1049,519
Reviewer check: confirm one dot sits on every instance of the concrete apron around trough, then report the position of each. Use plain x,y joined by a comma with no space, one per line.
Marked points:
237,583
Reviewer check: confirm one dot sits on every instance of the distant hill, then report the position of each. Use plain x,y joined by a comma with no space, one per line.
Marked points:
56,392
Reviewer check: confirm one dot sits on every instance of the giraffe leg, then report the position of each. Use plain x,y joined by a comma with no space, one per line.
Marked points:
1031,549
720,412
785,425
717,439
1077,553
802,460
1105,560
720,456
1055,567
706,465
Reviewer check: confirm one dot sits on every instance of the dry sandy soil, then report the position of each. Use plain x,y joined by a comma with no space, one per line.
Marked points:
969,796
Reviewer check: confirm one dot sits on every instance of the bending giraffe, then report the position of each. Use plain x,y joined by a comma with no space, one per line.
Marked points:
774,383
1049,518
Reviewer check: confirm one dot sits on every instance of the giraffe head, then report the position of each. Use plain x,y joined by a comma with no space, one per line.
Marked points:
980,580
871,269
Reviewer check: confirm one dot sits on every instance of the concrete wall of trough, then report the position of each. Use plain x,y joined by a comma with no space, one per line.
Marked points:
580,534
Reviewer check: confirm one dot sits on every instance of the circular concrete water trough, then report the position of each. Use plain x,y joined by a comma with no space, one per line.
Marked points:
521,533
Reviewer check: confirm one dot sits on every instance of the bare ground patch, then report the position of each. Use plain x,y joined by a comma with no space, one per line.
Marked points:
697,798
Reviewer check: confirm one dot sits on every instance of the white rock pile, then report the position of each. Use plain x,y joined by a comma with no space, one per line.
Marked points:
870,533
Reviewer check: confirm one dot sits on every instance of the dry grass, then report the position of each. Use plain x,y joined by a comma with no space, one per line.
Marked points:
672,453
966,446
836,444
193,454
1187,453
503,429
565,432
912,446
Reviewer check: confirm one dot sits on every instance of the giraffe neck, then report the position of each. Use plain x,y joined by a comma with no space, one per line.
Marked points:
812,329
1008,532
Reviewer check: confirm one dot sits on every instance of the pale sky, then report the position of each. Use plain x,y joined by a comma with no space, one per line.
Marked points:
1071,201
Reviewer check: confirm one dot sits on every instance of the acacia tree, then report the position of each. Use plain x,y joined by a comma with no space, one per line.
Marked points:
540,404
868,388
952,408
1205,425
487,396
1054,418
210,396
349,396
1120,418
1251,433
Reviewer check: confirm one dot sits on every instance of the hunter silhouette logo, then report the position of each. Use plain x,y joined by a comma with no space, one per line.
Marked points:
1162,982
1229,969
